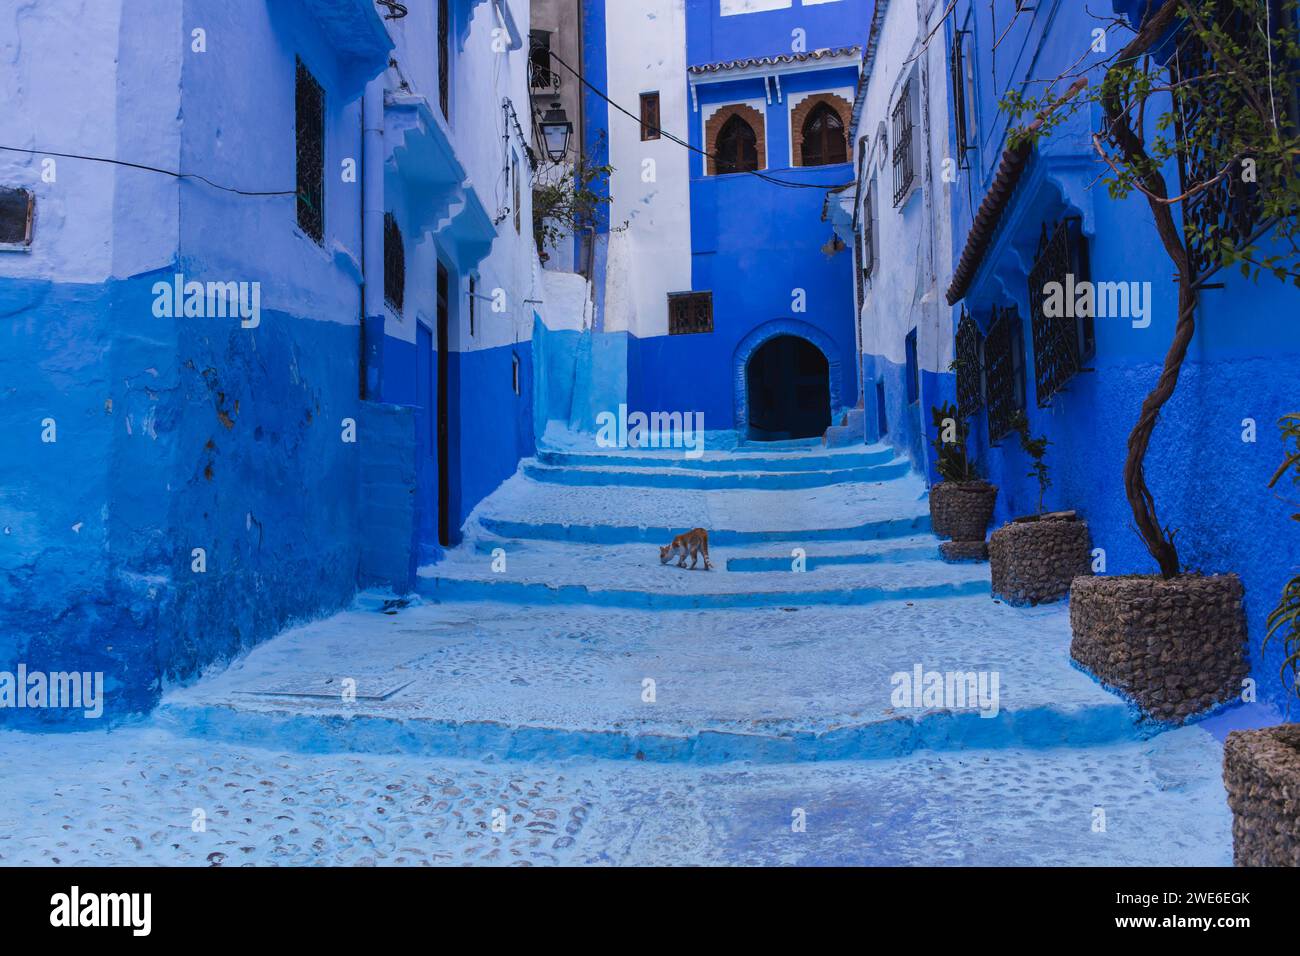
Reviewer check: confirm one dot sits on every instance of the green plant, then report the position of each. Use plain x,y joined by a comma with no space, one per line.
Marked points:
1036,449
570,199
951,432
1236,116
1284,621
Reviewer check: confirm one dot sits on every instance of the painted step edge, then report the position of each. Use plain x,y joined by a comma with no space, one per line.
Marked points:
741,462
706,479
1041,727
894,556
629,534
441,589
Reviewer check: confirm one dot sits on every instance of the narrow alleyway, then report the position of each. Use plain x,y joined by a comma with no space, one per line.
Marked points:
608,708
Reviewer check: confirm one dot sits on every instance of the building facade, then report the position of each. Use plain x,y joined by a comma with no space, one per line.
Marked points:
286,359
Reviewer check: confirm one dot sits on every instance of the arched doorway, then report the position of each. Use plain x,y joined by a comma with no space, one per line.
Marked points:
788,390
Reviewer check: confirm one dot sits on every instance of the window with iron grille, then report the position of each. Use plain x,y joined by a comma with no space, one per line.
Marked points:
1226,209
904,168
957,64
649,116
1062,343
869,231
444,58
970,392
541,78
394,264
857,275
17,210
1004,371
309,126
690,312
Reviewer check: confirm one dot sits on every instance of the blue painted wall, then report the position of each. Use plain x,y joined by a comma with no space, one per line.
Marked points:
1208,483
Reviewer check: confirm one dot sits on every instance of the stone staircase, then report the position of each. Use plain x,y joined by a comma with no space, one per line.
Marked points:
553,630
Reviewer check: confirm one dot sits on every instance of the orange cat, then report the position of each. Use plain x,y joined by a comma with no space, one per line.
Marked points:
692,544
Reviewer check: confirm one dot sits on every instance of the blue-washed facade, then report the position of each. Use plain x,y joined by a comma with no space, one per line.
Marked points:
706,259
189,466
1215,446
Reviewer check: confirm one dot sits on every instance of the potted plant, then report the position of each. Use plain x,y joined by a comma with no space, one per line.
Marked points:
1175,642
1033,559
1261,768
961,504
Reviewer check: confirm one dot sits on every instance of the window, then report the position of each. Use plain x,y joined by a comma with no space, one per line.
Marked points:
737,147
444,58
517,197
967,365
823,137
394,264
962,85
904,166
690,312
1004,371
309,124
649,116
473,296
869,231
17,210
541,78
913,369
1061,342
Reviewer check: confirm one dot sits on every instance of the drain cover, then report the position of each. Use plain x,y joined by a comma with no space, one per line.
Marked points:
333,687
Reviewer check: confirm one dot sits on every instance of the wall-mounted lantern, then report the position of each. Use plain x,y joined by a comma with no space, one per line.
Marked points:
556,132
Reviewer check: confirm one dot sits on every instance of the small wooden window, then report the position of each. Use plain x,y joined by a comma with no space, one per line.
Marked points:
394,264
17,208
309,120
737,147
824,141
444,58
690,312
649,116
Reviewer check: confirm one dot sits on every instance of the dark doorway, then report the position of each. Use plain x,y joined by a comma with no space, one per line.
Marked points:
788,383
426,478
444,412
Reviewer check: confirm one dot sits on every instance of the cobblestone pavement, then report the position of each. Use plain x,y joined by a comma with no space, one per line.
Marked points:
141,796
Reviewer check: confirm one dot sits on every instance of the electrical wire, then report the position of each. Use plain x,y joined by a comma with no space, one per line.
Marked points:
152,169
681,142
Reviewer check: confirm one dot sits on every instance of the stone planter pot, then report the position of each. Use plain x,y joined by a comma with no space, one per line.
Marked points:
1261,771
1177,648
962,510
1034,561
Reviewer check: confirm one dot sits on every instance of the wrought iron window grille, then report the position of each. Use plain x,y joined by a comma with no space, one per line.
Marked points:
309,143
903,161
1004,371
690,313
394,264
1062,343
969,367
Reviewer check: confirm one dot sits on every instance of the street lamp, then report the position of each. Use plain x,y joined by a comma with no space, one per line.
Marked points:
556,130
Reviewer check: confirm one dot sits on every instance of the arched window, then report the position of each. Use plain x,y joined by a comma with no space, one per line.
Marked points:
736,148
823,137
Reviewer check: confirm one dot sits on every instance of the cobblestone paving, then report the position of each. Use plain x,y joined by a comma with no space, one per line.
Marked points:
131,799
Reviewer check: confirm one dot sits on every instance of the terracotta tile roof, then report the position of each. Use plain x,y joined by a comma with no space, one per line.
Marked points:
995,202
724,66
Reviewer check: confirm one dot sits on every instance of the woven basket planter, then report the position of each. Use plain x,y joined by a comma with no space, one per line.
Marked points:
1261,771
962,510
1177,648
1034,562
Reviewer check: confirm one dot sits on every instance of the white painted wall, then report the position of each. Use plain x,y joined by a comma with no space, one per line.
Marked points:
649,245
913,242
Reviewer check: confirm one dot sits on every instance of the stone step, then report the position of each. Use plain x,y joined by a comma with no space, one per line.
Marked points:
807,458
767,685
624,534
812,562
849,430
674,477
